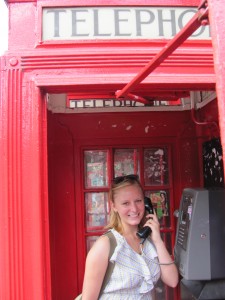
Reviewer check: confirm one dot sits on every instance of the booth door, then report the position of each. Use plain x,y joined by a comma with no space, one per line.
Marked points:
153,165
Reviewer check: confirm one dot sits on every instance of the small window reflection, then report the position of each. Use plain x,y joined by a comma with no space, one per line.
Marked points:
97,210
156,166
96,168
126,161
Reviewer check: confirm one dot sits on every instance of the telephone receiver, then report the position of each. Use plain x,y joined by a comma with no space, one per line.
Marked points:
145,231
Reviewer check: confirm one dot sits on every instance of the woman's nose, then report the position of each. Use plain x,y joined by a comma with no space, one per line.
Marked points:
134,206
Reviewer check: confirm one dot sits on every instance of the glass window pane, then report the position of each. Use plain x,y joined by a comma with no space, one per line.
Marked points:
156,166
126,161
95,163
161,290
167,238
160,201
90,240
97,210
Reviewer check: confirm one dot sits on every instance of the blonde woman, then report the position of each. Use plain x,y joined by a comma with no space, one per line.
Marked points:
137,266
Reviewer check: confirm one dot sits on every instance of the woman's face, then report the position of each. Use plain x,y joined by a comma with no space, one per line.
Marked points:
129,204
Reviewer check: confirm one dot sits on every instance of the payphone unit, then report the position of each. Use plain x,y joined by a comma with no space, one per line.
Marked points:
200,238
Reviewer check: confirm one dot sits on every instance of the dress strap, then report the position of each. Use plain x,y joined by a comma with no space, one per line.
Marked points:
113,244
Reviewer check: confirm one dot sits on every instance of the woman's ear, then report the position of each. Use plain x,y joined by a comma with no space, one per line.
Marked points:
112,204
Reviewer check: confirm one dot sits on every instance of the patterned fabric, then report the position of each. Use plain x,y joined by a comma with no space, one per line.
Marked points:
134,275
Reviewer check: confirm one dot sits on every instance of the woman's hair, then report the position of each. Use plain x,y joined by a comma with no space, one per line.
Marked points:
117,184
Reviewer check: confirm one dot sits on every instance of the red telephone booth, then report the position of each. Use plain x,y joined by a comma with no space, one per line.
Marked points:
89,91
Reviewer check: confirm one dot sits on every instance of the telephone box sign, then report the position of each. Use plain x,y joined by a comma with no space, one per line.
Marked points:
98,103
91,23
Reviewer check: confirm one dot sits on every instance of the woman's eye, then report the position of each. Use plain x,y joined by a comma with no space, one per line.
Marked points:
125,203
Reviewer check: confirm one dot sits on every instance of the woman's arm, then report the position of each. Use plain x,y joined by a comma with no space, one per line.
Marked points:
95,269
169,272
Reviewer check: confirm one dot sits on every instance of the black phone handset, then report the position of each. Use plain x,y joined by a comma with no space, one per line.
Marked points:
145,231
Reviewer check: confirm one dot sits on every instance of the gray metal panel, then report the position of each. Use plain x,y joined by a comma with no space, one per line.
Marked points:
198,245
217,232
202,256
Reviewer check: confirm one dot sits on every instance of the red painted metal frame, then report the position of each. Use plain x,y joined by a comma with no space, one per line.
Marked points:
114,2
108,56
143,94
24,237
217,22
28,71
188,29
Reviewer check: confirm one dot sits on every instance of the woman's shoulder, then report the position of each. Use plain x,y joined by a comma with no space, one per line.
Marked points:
100,248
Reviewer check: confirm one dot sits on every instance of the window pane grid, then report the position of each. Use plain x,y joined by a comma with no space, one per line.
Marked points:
124,161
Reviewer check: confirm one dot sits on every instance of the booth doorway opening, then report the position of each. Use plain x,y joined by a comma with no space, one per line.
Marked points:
88,145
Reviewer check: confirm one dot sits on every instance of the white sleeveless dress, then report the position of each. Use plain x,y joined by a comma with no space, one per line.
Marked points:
134,275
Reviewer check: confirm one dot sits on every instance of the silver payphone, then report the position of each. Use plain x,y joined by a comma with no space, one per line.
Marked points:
200,240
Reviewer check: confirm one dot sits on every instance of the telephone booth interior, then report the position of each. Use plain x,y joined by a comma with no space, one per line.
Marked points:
86,150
